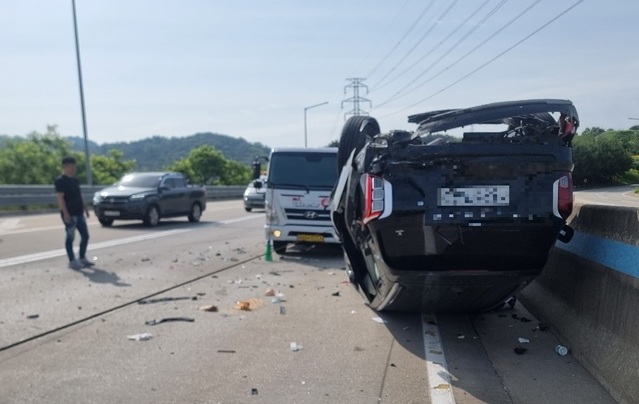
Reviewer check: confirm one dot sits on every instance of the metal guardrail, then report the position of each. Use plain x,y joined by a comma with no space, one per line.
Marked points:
24,196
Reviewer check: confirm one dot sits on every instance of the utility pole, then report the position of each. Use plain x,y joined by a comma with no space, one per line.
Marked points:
87,156
356,99
305,130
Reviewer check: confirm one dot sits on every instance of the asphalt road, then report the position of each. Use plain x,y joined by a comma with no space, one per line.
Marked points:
66,335
613,196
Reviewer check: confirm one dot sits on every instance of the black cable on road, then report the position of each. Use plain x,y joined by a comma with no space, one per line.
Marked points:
123,305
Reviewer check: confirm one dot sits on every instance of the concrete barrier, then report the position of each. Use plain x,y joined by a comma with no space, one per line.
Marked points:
588,294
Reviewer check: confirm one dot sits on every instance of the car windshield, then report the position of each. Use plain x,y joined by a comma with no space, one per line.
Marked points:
140,180
304,169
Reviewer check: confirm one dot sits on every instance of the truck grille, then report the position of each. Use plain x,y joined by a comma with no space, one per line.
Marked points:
308,214
115,200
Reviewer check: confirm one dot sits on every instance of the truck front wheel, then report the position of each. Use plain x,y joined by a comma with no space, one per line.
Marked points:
196,213
152,217
279,247
105,221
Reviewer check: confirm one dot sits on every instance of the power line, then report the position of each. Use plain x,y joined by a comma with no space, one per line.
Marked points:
494,58
403,92
403,37
382,35
419,41
453,32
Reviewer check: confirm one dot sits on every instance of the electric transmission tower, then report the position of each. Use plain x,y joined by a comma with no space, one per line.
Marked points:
356,99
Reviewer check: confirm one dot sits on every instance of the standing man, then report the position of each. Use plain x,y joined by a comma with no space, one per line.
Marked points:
72,210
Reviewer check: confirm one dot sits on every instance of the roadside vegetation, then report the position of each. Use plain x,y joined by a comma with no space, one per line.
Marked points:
35,160
606,157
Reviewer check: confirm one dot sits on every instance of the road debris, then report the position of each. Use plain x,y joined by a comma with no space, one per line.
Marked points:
336,293
282,310
168,319
145,336
226,351
561,350
379,320
166,299
33,316
295,346
269,292
523,340
520,350
208,307
243,305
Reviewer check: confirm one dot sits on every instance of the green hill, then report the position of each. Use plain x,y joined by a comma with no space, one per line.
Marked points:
157,152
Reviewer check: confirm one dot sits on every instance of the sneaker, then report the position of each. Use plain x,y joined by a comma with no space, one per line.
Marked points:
85,263
75,264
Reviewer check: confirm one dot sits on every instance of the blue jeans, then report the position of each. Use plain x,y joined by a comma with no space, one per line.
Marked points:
77,222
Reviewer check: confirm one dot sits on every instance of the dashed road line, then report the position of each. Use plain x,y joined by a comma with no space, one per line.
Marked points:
441,391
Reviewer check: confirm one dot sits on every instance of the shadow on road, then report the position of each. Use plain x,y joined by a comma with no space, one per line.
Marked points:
98,275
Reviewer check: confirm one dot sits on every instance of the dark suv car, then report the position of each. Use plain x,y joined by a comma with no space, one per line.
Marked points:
149,196
438,223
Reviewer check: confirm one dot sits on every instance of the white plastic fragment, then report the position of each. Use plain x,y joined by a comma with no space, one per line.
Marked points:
140,337
523,340
295,346
379,320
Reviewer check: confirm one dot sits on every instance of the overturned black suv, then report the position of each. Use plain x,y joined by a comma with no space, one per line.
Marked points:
429,224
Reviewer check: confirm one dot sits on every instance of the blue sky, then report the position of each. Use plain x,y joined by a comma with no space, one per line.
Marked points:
249,68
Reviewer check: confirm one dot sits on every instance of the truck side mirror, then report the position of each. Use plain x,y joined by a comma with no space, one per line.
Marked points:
257,169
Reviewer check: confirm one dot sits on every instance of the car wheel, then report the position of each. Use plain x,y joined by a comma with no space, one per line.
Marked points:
279,247
105,221
152,217
246,208
196,213
353,137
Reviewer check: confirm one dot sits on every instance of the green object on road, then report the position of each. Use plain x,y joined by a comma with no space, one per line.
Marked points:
268,255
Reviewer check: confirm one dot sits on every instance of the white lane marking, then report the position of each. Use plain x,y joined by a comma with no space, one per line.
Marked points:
5,231
61,252
440,389
242,219
10,224
37,229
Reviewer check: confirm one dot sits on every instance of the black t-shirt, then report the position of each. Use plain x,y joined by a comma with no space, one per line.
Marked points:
70,186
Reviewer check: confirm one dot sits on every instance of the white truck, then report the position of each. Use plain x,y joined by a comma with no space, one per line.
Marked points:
298,190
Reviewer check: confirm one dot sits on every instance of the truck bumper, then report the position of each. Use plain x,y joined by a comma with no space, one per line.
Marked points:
302,234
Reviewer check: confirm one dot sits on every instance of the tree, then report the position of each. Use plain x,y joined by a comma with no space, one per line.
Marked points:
108,169
235,173
599,160
594,131
36,159
205,165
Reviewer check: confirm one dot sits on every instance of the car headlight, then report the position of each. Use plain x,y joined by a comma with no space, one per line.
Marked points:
136,197
97,198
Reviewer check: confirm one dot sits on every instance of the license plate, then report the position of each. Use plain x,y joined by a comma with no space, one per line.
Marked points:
483,195
310,238
111,213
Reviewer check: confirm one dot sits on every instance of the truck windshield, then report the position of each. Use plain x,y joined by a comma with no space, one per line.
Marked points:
303,169
140,180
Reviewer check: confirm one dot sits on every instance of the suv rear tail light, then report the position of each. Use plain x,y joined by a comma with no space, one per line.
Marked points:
374,195
563,197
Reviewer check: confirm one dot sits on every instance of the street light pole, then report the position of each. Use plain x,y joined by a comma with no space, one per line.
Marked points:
87,161
305,130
